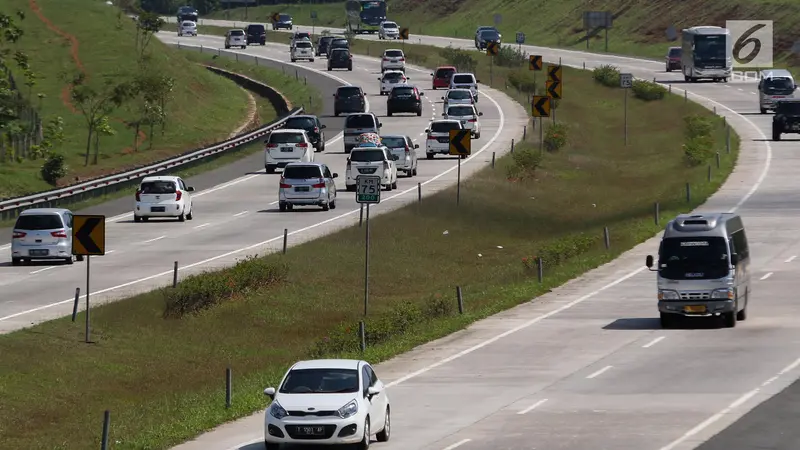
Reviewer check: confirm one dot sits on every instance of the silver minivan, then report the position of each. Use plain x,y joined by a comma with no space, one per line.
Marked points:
405,150
703,268
42,234
357,124
307,184
774,85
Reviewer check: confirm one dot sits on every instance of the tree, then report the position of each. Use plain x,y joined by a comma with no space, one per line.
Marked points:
10,103
103,128
147,25
166,86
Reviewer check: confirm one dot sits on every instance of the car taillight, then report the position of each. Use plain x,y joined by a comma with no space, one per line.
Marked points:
385,59
285,186
272,145
316,129
402,59
178,195
59,234
473,120
138,196
319,185
430,137
302,145
408,150
386,165
18,235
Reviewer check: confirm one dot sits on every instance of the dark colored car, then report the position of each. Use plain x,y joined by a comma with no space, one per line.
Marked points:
340,58
404,99
673,59
284,21
256,34
313,128
786,118
187,13
339,43
441,78
487,36
323,45
349,99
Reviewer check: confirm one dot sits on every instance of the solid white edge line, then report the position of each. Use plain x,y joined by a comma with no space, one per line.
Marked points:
766,276
790,259
599,372
654,342
533,406
457,444
154,239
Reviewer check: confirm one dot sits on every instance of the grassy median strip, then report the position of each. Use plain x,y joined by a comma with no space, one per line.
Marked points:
160,358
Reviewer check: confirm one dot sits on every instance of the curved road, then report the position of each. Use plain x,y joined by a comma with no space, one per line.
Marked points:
587,365
241,217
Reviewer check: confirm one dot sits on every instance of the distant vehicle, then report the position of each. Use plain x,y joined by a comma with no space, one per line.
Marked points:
484,28
304,183
340,58
705,54
357,124
388,30
163,196
256,34
441,78
486,36
299,36
284,21
703,262
465,81
438,136
235,38
42,234
339,42
468,116
187,28
325,385
404,99
393,59
405,150
364,16
390,79
673,59
786,119
312,126
349,99
774,85
302,50
284,146
458,97
371,160
322,45
187,13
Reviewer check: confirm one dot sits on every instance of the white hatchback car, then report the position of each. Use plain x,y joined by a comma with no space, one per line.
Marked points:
390,79
302,50
438,139
305,184
235,38
465,81
287,145
42,233
393,59
372,160
388,30
163,196
458,97
468,116
187,28
327,402
406,151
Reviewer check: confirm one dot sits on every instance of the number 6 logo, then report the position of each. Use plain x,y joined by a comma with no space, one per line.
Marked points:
745,40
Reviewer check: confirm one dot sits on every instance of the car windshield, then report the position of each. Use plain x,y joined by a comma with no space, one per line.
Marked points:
284,17
444,127
392,76
304,44
237,33
675,52
693,258
285,138
340,55
459,95
791,108
367,155
463,79
445,73
394,53
393,142
320,381
490,35
256,28
360,121
301,123
778,85
38,222
389,25
402,91
302,172
157,187
349,92
460,111
339,43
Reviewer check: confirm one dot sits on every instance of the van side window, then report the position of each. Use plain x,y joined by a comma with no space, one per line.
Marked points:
740,244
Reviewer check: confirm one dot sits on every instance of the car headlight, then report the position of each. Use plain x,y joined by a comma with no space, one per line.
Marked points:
277,411
668,295
722,294
348,410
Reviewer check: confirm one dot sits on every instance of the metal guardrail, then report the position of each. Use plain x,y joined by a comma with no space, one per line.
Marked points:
112,183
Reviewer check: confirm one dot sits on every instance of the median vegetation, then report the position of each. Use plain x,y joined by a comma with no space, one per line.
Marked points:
160,360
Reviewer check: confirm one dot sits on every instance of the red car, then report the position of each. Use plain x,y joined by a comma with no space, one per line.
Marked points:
441,78
673,59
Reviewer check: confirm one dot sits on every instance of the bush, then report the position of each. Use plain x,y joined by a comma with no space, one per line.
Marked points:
203,291
606,75
461,59
555,137
698,150
510,56
697,126
53,168
560,250
648,91
522,80
525,162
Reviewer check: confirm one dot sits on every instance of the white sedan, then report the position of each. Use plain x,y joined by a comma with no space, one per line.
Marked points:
327,402
468,116
390,79
388,30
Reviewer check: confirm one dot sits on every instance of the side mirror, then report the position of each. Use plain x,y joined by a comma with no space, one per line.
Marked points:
266,141
372,391
444,114
190,189
427,130
380,124
270,392
416,145
395,157
734,258
477,81
421,94
432,75
335,175
480,113
322,127
442,98
334,95
649,261
379,78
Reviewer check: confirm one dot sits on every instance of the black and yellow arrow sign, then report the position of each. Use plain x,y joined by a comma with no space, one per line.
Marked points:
535,62
404,33
89,235
492,48
460,142
554,89
275,17
554,73
540,106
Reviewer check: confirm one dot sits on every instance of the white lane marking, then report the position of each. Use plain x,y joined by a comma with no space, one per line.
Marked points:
769,381
154,239
110,252
654,342
740,89
533,406
736,403
485,147
790,259
46,268
766,276
457,444
203,225
599,372
5,247
241,213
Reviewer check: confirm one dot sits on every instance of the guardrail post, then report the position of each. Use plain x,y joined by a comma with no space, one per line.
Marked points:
512,145
285,238
606,238
296,74
75,305
540,268
718,161
228,387
460,300
492,160
175,275
106,426
709,173
362,333
656,212
524,131
688,193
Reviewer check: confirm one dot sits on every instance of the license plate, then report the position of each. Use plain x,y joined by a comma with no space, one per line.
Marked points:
39,252
311,430
156,209
694,309
301,189
286,149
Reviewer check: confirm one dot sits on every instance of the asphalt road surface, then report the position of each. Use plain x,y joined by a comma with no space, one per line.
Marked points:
587,366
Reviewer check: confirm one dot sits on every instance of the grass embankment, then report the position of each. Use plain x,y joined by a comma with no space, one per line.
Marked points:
296,92
160,359
639,27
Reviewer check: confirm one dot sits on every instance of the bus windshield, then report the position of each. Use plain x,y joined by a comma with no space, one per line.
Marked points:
371,9
710,47
695,258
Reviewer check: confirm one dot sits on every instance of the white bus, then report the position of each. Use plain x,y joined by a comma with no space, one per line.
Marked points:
706,54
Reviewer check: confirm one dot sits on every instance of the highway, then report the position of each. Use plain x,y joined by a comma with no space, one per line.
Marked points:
240,217
587,365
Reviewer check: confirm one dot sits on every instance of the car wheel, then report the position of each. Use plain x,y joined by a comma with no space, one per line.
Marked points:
415,171
429,155
329,68
394,185
409,173
666,320
776,136
16,261
742,315
68,260
136,218
190,216
763,110
270,169
350,187
389,187
282,206
181,218
326,207
386,432
729,320
335,113
478,136
272,446
79,258
312,59
364,444
388,113
419,112
333,204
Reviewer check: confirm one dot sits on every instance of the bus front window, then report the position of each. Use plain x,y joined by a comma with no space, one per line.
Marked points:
697,258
